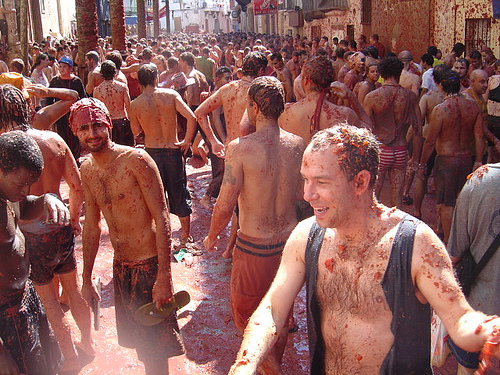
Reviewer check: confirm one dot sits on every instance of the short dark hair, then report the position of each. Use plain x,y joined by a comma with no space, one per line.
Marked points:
390,67
439,72
116,57
268,94
92,55
222,70
339,52
320,71
475,54
451,82
357,149
17,65
187,57
253,63
172,61
428,59
147,74
276,56
432,50
463,61
108,70
19,150
147,54
458,48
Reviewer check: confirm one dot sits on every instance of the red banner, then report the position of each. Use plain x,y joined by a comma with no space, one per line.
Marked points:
162,13
265,7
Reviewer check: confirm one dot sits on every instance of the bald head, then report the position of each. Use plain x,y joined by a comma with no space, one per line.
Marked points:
479,81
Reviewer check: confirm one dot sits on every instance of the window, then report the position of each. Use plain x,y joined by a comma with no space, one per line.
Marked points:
315,32
332,4
350,32
477,33
366,12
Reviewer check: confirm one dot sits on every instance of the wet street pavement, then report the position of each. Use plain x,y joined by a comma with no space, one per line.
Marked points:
210,336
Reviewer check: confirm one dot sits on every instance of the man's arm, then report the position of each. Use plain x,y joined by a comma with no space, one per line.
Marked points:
135,124
417,139
148,179
46,116
272,314
71,175
434,279
48,205
185,111
90,241
342,91
228,196
91,82
202,112
479,141
432,137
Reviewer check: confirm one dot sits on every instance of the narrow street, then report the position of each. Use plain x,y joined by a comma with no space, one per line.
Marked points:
210,336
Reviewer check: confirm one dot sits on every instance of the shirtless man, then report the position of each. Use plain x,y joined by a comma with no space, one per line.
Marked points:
409,80
94,77
293,64
27,345
159,125
283,74
426,104
367,315
454,54
394,110
455,125
186,63
477,89
233,96
461,66
124,184
357,72
262,177
314,112
51,247
114,94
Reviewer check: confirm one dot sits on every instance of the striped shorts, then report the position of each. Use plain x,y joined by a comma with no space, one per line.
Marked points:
395,157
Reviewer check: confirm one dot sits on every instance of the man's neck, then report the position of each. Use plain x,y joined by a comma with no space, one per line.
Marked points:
105,155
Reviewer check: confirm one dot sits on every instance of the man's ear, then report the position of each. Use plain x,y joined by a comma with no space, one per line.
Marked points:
361,182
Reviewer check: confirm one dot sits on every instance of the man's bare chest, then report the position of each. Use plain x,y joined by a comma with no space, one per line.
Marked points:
350,280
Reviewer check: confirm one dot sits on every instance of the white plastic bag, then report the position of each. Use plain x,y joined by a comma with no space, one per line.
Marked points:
439,335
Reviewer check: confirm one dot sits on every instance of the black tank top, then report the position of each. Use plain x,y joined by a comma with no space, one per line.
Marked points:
411,320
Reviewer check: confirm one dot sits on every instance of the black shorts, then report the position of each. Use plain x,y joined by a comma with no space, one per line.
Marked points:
494,127
26,333
133,283
121,132
173,175
450,175
50,253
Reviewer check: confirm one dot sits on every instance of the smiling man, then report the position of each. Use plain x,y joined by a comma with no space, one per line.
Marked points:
124,184
372,272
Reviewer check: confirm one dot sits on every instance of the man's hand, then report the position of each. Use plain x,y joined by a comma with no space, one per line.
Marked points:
7,364
40,91
184,145
55,211
340,90
210,244
218,149
77,227
89,292
162,291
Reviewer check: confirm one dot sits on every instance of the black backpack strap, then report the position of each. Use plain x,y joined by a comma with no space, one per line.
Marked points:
316,345
486,257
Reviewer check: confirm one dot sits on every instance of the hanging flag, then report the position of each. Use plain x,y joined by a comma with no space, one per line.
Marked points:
265,7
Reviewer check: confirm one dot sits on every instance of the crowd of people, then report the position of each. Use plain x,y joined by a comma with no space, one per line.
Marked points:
301,136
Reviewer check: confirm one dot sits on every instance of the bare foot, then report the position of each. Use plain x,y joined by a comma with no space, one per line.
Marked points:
206,202
86,353
228,253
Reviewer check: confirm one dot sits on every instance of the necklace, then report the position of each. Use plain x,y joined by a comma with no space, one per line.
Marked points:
451,95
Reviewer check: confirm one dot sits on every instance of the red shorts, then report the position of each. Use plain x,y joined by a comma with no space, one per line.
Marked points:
395,157
255,262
